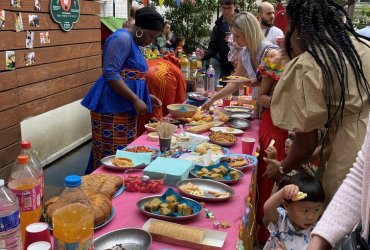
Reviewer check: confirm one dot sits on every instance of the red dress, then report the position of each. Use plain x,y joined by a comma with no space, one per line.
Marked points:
267,132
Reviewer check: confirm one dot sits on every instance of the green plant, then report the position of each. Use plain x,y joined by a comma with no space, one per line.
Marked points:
191,20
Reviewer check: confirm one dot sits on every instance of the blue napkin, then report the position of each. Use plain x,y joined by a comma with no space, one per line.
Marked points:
182,109
137,158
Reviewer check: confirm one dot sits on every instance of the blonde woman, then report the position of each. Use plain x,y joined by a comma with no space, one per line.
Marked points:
247,34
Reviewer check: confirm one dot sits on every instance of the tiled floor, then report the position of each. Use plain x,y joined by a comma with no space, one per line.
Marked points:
74,162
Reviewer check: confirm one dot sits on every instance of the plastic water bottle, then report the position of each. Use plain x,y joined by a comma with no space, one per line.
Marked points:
210,86
25,184
73,224
10,237
34,163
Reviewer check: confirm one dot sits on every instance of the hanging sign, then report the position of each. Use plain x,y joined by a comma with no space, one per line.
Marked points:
65,12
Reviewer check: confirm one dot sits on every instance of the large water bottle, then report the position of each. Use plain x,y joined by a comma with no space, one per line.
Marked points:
210,86
10,237
34,163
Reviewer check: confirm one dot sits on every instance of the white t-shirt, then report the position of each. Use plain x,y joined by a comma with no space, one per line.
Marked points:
285,232
273,34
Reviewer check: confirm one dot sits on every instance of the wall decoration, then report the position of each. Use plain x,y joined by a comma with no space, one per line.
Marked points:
18,22
30,58
34,20
10,59
44,37
65,12
30,36
2,19
37,5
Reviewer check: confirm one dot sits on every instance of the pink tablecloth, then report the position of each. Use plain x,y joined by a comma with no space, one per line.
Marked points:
128,215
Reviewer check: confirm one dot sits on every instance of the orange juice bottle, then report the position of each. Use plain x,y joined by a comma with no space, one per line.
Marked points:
25,184
73,224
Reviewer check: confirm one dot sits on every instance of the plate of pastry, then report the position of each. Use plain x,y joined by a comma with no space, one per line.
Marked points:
222,138
202,149
170,206
205,190
220,172
228,130
235,79
239,161
119,163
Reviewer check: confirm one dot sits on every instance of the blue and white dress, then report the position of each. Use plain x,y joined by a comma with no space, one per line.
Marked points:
284,231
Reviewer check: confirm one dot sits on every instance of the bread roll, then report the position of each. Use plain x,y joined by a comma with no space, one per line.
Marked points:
201,128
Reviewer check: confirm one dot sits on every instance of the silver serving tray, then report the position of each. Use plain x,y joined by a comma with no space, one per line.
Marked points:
207,185
228,182
237,109
223,144
241,115
107,163
130,238
140,205
239,123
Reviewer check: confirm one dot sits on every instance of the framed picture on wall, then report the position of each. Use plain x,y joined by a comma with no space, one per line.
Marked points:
34,20
44,37
30,58
37,5
30,36
16,3
2,19
10,59
18,22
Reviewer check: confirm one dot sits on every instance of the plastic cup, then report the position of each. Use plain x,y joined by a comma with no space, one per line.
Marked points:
35,232
164,144
280,41
248,145
226,102
40,245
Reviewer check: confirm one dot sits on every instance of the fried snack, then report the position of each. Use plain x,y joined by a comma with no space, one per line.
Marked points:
299,196
237,162
164,211
234,175
219,194
230,129
203,147
221,137
176,231
199,118
201,128
222,116
101,183
234,78
185,210
122,162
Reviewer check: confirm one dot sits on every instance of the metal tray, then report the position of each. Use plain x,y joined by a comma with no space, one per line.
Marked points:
228,182
223,144
197,96
239,123
238,109
241,115
130,238
207,185
241,168
140,205
107,163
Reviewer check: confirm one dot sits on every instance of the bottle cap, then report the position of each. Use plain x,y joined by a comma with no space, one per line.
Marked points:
22,159
2,182
25,144
72,181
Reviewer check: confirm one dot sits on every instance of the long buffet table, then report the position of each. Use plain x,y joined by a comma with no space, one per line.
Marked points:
238,211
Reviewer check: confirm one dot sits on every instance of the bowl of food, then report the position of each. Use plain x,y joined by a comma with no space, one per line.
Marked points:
135,181
151,126
182,110
125,238
240,161
222,139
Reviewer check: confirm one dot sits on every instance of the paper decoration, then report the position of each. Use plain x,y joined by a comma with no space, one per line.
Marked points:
44,37
34,20
37,5
18,22
2,19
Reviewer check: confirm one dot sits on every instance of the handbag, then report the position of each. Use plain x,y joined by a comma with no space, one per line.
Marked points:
353,241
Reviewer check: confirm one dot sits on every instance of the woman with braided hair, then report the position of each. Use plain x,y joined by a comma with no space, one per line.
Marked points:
325,85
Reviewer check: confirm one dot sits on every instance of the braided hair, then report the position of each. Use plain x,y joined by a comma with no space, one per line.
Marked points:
326,38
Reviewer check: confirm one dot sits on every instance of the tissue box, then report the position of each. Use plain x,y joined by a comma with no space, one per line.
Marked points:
175,169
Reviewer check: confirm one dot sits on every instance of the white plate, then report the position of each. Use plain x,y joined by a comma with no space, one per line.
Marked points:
107,163
149,128
225,130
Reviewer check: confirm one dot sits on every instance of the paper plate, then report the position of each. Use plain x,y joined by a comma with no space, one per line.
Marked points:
107,163
228,130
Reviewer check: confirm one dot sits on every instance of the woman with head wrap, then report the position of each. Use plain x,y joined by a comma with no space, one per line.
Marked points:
121,93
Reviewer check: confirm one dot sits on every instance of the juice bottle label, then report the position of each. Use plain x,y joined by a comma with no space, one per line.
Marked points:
86,244
9,222
29,199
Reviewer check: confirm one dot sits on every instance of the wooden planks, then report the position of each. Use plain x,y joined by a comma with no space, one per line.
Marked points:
8,99
53,101
8,80
10,135
9,117
9,154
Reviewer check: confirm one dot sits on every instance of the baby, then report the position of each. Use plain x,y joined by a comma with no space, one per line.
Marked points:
302,197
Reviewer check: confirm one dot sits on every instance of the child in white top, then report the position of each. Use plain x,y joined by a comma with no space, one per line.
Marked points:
292,223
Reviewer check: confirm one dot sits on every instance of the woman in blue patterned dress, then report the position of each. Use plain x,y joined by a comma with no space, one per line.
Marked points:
121,93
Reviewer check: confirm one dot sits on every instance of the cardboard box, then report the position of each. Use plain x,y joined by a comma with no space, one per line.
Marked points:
175,169
212,239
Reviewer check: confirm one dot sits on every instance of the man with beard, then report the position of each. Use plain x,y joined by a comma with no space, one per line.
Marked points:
266,17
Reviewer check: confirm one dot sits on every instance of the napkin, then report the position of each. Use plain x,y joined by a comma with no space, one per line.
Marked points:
137,158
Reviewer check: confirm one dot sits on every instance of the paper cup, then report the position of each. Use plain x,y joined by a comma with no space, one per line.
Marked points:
248,145
40,245
226,102
37,232
164,144
280,41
